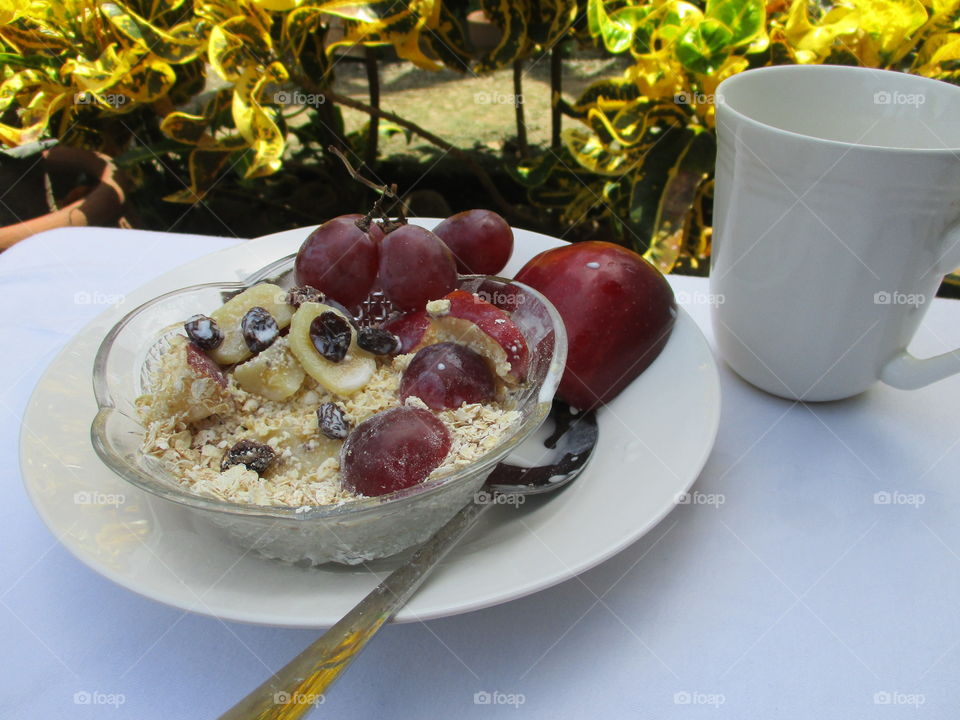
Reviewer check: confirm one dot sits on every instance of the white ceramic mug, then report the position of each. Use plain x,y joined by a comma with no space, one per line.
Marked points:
836,215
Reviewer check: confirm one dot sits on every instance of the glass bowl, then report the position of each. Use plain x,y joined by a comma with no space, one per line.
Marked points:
351,532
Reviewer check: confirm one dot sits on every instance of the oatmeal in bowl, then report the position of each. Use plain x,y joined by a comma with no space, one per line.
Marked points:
310,431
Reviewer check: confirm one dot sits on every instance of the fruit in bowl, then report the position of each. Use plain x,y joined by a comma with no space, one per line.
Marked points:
300,426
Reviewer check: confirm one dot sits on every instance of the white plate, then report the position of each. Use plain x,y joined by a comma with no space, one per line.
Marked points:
654,440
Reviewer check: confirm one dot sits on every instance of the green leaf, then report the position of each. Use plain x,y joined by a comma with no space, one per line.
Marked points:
743,18
37,62
615,29
607,94
704,47
694,164
531,172
649,182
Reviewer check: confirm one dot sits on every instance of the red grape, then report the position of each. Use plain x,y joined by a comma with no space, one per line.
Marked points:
415,267
409,327
481,241
393,450
339,259
446,375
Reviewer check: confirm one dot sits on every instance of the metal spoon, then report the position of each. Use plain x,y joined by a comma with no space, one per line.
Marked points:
297,687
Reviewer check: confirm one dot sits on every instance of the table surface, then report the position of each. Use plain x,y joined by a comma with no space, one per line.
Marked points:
818,578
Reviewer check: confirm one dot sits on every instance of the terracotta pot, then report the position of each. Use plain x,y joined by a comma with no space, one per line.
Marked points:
101,206
483,34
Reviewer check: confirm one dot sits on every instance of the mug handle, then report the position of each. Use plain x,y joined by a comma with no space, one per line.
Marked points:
906,372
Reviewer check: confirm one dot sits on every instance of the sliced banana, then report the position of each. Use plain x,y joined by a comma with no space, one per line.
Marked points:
274,374
343,378
271,298
312,453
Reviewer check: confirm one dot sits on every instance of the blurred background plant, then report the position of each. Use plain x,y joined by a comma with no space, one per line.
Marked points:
222,110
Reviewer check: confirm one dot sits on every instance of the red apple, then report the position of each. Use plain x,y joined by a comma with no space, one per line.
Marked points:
618,311
470,313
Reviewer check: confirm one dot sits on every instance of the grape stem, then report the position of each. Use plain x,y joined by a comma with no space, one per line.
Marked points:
377,211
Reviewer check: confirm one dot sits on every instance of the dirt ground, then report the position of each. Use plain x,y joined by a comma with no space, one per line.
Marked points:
467,110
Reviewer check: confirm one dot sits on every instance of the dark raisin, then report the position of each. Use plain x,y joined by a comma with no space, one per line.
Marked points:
332,422
305,293
330,334
378,341
253,455
204,332
259,329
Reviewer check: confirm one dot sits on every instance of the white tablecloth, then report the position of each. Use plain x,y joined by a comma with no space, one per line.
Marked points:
823,581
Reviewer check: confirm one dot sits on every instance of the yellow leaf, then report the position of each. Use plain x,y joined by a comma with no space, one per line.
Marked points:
813,42
891,24
945,13
96,76
254,123
10,10
39,100
235,44
277,5
591,154
938,49
706,109
148,80
657,75
370,24
184,127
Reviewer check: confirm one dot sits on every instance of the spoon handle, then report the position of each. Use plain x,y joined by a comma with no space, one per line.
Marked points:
298,686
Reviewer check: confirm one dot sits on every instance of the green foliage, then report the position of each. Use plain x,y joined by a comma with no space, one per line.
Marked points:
647,138
128,77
